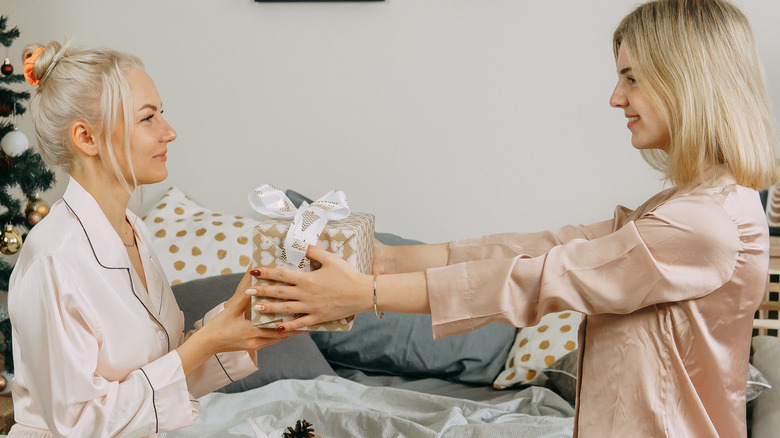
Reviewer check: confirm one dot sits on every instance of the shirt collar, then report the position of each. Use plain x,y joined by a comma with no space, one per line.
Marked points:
105,242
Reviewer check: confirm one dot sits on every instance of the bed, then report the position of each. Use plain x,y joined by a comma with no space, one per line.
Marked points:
389,378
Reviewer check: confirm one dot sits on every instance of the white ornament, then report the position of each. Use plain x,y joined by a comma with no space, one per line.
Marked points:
14,143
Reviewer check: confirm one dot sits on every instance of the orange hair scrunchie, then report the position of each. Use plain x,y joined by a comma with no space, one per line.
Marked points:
29,64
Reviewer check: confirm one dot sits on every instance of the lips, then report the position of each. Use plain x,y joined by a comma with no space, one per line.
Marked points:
632,120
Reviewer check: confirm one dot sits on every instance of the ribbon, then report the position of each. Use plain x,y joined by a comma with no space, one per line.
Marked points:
308,221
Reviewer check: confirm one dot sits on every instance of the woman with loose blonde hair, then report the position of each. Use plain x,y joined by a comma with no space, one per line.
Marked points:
698,62
668,290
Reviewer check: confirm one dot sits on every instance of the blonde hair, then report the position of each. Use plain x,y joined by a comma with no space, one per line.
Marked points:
86,85
697,61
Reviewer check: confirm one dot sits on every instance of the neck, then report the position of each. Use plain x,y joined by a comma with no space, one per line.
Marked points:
109,194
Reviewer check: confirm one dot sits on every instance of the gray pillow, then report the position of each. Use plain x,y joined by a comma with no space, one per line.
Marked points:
402,344
766,414
563,374
295,358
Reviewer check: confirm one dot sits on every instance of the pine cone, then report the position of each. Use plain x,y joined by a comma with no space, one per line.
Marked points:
302,429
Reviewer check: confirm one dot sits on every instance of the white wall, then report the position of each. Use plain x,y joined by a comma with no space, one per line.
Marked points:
445,118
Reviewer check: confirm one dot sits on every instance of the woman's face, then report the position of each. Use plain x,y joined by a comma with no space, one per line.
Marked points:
150,133
648,128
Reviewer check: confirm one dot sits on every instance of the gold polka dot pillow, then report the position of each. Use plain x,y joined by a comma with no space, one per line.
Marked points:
536,348
193,242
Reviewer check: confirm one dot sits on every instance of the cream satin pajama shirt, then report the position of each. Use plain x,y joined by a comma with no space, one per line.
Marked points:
94,352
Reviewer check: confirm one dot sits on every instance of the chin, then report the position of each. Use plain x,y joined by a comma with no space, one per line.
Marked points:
152,178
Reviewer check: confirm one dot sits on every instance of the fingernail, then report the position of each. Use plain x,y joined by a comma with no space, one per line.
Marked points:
259,307
254,272
249,291
280,329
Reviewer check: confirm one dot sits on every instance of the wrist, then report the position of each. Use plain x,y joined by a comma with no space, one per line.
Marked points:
374,300
392,259
193,353
366,293
203,342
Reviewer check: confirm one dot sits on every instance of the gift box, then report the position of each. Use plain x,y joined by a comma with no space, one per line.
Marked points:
281,242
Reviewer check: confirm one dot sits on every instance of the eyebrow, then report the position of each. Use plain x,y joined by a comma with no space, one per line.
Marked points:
625,70
148,105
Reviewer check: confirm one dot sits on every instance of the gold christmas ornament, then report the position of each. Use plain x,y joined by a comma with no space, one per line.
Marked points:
10,241
36,210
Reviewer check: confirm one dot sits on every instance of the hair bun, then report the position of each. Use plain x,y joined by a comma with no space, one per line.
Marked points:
39,60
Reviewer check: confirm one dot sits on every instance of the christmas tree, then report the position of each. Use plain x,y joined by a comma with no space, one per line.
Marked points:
23,176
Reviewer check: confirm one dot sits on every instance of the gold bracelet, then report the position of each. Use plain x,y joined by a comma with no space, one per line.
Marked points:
378,315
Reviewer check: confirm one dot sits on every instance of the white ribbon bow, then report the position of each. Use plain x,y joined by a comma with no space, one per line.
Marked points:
308,221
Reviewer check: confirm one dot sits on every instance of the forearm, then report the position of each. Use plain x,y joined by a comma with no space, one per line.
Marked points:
194,352
417,258
401,293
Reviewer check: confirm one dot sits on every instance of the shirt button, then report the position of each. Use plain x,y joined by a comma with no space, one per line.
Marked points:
161,335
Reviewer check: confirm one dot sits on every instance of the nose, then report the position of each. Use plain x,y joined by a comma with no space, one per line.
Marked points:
618,98
170,133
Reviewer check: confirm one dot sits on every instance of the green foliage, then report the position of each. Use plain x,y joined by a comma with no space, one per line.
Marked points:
25,173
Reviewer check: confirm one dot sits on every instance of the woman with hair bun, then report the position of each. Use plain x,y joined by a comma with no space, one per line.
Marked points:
668,290
100,347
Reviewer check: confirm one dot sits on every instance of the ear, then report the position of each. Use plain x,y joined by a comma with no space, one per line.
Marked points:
83,137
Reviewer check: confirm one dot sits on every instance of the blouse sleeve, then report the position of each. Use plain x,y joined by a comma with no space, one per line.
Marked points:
682,250
530,244
58,365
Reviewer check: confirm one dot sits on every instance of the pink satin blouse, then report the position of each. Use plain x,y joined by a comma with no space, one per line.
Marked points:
668,291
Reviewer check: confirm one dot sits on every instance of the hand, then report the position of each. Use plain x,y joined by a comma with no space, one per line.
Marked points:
230,330
240,294
336,290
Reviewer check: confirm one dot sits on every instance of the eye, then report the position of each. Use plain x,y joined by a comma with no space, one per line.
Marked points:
631,80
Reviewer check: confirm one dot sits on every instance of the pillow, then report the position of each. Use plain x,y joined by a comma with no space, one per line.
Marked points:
294,358
402,344
536,348
563,375
193,242
766,415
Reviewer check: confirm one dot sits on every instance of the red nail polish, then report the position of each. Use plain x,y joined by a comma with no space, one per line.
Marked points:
254,272
280,329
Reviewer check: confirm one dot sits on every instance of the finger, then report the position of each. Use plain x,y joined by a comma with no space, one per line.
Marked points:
297,323
324,257
282,307
277,274
272,333
278,291
246,280
243,285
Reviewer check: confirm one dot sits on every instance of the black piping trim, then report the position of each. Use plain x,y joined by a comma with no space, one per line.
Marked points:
154,404
129,274
223,368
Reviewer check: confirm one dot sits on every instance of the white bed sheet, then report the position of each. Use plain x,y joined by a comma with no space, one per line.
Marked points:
342,408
